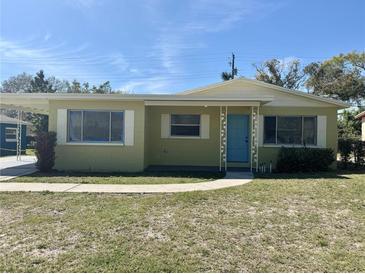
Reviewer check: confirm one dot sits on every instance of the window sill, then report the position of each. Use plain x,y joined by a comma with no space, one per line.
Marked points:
287,145
92,144
10,140
185,137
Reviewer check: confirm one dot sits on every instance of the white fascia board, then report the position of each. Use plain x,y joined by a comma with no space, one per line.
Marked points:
202,103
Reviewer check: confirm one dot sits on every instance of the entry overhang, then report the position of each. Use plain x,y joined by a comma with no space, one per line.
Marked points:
202,103
210,101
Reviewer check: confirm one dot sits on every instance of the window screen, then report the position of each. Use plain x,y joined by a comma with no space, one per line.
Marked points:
185,125
95,126
310,130
270,130
295,130
10,134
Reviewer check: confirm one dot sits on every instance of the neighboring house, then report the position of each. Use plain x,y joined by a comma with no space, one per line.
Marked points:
362,117
8,135
237,123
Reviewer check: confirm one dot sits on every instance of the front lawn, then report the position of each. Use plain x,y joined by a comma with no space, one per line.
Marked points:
282,224
152,177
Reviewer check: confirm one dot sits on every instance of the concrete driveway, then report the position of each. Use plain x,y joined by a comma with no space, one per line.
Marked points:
11,168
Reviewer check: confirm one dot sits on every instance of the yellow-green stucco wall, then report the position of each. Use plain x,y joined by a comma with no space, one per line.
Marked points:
205,152
269,153
150,149
96,157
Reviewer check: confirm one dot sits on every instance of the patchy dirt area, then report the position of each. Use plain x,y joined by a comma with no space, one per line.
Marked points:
282,224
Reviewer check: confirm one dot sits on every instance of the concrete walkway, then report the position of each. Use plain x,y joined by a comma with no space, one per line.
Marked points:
231,179
11,168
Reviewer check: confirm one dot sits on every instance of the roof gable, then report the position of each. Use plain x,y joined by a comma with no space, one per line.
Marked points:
282,96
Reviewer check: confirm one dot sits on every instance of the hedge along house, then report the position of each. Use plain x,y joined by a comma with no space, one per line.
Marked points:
237,123
361,116
9,135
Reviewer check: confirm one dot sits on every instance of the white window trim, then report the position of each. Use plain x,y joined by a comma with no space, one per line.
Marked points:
16,133
185,136
94,143
289,145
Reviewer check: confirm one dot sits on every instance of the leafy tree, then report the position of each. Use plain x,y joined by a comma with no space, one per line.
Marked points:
280,73
40,84
18,83
75,87
234,71
341,77
58,85
85,87
104,88
348,126
227,75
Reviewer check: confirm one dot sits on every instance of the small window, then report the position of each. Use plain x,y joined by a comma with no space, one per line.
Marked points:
95,126
10,134
185,125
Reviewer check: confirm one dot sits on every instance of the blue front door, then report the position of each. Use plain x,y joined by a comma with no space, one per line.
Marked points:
237,138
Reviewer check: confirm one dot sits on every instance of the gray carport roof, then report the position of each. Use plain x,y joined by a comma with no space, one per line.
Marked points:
39,102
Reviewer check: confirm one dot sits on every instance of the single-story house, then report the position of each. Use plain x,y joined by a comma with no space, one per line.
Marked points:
8,135
361,116
237,123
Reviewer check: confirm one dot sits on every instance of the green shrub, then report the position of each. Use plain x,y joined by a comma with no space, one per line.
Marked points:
345,149
359,152
45,150
351,148
304,159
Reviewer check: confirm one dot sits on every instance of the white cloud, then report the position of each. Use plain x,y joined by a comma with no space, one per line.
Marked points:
201,17
163,63
118,60
216,15
156,84
55,60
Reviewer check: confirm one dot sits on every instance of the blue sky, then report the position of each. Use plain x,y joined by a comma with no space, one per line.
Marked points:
153,46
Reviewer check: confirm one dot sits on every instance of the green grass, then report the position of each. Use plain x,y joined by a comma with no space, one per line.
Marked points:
282,224
153,177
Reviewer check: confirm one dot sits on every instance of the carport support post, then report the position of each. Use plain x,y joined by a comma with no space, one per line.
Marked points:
19,137
226,140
